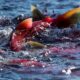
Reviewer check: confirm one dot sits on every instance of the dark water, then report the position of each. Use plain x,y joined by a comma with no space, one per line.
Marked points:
62,57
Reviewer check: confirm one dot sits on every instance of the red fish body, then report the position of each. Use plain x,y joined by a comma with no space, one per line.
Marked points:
25,62
68,18
18,36
24,31
27,29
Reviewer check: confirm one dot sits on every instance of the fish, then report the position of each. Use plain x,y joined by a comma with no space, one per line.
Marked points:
36,44
18,36
28,28
25,31
68,19
66,50
25,62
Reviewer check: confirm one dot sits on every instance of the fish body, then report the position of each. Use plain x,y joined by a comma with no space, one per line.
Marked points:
68,18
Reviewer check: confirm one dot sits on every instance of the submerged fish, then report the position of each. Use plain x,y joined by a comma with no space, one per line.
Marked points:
25,62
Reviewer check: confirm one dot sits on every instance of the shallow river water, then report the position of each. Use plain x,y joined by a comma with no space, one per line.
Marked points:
59,61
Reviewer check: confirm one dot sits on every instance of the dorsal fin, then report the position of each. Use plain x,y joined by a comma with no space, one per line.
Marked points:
36,14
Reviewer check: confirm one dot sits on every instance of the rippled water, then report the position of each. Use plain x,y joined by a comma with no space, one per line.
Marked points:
62,54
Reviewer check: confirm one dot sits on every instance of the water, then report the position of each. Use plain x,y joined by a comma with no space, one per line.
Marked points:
61,58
